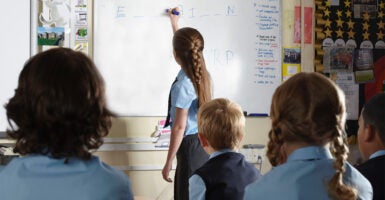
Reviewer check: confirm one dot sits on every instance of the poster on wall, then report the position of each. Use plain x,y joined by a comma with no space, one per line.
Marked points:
291,62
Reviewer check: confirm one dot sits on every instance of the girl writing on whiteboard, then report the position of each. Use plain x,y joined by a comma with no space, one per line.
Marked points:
191,89
307,145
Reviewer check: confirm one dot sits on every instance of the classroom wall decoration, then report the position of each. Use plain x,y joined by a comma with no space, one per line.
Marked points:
132,48
350,44
350,24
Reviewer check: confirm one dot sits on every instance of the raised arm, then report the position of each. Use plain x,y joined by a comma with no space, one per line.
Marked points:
174,18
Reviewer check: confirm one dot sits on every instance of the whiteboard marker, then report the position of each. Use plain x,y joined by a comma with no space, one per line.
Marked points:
174,12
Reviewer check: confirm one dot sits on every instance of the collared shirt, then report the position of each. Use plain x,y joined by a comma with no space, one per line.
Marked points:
183,96
377,153
42,177
197,187
305,175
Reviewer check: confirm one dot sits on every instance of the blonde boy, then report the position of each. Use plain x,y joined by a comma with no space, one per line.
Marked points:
226,174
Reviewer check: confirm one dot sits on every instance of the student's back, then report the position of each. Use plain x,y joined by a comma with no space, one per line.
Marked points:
226,174
41,177
307,145
58,116
301,179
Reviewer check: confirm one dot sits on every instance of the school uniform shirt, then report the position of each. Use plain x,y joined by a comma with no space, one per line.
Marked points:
305,175
235,170
374,170
183,96
44,178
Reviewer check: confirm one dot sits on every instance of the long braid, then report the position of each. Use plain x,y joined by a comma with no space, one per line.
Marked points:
337,189
188,45
200,76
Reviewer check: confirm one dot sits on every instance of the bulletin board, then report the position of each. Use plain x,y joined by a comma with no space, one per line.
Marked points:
354,28
132,48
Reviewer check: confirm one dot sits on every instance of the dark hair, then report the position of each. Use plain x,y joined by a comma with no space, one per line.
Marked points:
309,108
59,106
188,45
374,114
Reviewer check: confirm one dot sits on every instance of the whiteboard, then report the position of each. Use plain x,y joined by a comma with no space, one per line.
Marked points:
133,50
14,51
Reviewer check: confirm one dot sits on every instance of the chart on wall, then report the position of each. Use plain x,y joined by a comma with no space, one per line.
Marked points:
133,50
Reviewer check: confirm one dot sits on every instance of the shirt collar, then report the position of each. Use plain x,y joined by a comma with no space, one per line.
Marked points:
310,153
377,153
181,75
222,151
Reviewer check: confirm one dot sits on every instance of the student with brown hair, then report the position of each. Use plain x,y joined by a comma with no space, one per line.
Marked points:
371,143
307,145
191,89
58,116
221,129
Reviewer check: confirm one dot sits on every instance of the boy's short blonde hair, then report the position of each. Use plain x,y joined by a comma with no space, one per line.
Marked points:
222,123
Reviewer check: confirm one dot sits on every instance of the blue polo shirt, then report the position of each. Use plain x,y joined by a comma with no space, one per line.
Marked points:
45,178
305,175
183,96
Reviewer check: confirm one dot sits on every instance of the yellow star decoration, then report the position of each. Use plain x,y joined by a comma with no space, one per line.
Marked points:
380,14
340,33
348,14
339,13
328,23
350,24
366,16
366,35
347,3
328,32
381,25
339,23
326,13
365,26
382,5
351,34
327,3
380,35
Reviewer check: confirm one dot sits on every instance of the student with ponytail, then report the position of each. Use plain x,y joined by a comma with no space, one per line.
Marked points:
307,145
191,89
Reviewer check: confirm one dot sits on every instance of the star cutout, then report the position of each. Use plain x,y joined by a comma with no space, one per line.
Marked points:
351,34
340,33
380,14
348,13
366,35
327,3
328,32
339,23
381,25
365,26
380,35
382,5
350,24
328,23
326,13
339,13
366,16
347,3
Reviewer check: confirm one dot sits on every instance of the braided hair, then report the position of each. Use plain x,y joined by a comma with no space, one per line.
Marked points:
309,108
188,45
